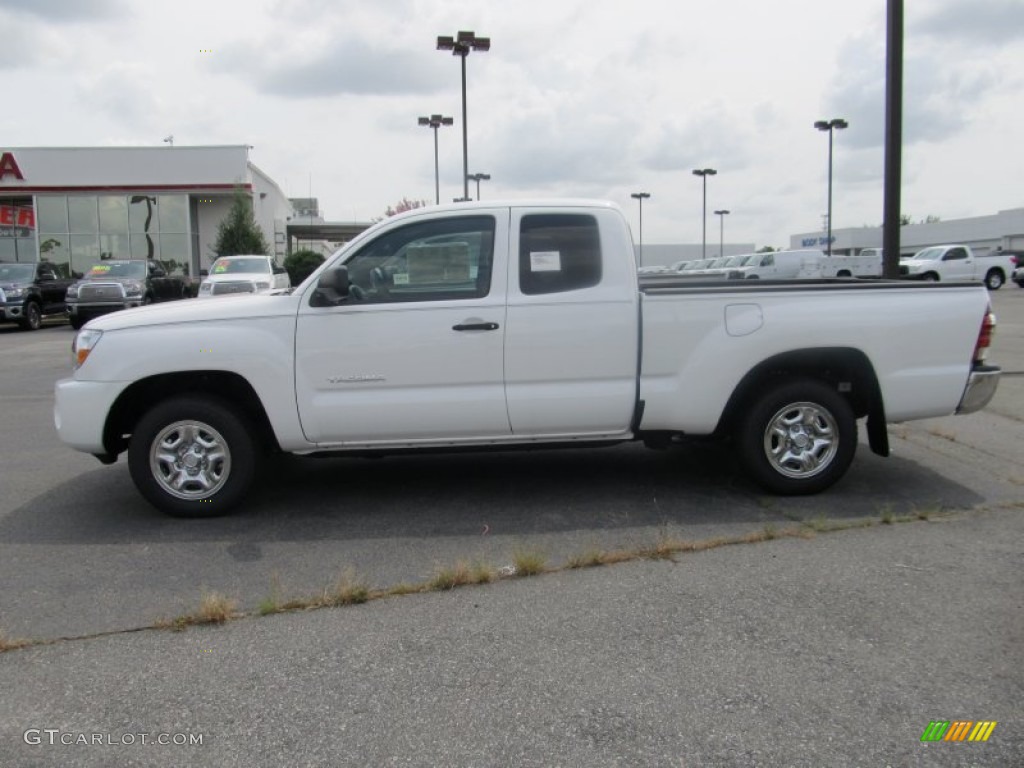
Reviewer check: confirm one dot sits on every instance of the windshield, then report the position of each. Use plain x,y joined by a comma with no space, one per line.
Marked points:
737,261
234,266
133,269
716,263
929,254
19,272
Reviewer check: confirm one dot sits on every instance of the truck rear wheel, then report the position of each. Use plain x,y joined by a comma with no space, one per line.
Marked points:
193,456
994,280
798,438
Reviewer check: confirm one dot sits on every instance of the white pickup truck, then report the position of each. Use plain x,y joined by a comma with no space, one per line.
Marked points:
959,262
489,325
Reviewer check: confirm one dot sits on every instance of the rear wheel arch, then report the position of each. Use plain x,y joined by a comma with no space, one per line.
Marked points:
847,370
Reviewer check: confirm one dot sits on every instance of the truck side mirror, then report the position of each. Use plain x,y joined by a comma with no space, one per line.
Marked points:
332,288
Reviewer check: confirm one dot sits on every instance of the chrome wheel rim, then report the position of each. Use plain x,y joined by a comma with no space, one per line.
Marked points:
801,440
35,317
190,460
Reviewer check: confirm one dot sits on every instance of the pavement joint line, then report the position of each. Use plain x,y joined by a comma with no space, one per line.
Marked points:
805,529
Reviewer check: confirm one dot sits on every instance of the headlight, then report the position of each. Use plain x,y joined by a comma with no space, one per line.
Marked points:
133,289
205,287
72,292
14,293
84,343
260,286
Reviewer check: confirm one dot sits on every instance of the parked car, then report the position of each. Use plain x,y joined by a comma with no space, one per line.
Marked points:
499,325
121,284
30,291
779,265
1018,272
959,262
248,273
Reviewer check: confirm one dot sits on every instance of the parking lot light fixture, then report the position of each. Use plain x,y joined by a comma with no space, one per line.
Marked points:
435,122
640,197
478,177
704,173
836,123
460,46
721,214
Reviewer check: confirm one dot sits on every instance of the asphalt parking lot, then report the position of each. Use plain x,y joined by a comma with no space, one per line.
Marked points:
642,656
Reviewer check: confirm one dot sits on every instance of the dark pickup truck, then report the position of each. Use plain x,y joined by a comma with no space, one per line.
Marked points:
30,291
120,284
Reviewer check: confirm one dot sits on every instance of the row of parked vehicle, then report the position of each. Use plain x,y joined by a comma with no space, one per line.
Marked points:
30,292
933,264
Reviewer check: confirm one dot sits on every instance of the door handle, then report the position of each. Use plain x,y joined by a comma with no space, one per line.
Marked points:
475,327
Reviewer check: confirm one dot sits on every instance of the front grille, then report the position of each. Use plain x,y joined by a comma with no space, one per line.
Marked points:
101,291
235,286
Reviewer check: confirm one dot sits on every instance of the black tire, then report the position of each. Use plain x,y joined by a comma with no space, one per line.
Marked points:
930,277
33,316
994,280
844,273
1020,283
797,438
147,299
205,432
77,321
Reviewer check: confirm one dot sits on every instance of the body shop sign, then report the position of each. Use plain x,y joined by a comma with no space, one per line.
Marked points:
17,221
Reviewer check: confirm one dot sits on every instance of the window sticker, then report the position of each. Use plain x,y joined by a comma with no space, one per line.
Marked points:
99,269
545,261
220,267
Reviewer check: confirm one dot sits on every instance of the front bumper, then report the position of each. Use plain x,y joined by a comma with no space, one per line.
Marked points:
12,310
97,308
981,386
80,409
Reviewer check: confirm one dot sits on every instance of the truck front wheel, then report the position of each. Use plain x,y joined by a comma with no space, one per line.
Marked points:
798,438
33,318
193,456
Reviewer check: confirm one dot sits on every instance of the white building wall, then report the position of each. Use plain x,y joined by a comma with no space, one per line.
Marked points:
1004,229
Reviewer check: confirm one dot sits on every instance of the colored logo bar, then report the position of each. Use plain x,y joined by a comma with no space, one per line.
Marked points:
958,730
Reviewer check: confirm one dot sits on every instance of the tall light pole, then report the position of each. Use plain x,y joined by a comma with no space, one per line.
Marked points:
830,126
478,177
640,197
435,122
460,46
721,230
704,173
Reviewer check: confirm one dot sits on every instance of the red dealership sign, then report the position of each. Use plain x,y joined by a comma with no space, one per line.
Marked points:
9,166
17,221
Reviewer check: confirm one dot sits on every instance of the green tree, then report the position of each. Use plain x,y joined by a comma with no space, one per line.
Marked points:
301,264
238,232
766,249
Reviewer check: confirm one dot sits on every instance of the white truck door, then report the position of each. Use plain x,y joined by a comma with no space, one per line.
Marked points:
958,264
415,352
571,343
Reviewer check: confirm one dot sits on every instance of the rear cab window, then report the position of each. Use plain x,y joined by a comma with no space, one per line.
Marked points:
558,252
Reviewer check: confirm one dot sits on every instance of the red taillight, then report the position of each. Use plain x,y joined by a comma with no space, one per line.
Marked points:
988,328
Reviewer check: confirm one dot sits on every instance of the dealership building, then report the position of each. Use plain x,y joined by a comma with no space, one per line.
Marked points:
76,206
1001,231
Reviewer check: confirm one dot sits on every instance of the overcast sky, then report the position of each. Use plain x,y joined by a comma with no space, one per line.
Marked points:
591,98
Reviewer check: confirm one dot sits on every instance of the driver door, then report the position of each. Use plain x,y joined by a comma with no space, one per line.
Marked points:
415,353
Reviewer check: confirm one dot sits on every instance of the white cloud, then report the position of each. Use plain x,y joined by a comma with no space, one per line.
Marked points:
580,98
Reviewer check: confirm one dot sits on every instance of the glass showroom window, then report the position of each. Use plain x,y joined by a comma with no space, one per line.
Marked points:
83,217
